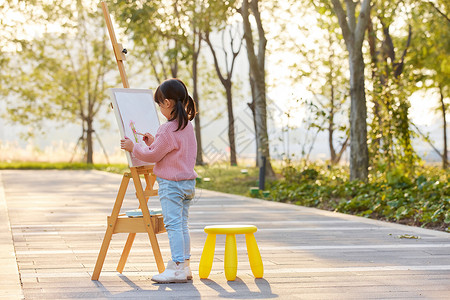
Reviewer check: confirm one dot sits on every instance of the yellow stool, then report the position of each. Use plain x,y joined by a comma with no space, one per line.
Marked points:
230,262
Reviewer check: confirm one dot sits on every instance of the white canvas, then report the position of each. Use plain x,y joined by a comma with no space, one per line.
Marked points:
135,106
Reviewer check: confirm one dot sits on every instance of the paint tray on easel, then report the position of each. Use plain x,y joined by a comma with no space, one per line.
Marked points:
136,213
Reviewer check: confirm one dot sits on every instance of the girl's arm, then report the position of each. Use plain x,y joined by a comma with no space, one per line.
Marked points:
161,145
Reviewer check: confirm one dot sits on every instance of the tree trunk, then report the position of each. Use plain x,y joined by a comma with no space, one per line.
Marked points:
261,125
331,123
445,152
174,63
227,84
359,155
198,136
251,105
376,104
257,71
353,33
231,131
89,142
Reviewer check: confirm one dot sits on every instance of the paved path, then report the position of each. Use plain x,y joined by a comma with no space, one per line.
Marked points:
52,224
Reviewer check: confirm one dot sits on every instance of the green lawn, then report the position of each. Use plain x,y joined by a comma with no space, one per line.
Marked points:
114,168
419,200
227,179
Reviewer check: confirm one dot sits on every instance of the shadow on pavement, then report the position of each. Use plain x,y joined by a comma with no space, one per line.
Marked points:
241,290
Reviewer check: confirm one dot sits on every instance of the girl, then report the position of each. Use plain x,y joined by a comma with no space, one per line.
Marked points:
173,150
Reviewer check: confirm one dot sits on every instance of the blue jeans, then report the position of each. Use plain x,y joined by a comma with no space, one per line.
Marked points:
175,198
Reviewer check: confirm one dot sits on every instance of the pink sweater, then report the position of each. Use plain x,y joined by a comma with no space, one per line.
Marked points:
173,152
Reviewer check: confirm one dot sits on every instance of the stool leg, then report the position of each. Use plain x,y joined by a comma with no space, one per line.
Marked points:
254,256
207,257
230,263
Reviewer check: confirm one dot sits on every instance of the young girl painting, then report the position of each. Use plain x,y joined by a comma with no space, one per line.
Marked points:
173,150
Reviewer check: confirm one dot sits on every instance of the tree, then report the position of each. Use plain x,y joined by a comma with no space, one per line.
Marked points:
226,77
353,32
431,59
257,80
10,28
319,66
152,34
63,73
178,25
196,34
444,105
390,134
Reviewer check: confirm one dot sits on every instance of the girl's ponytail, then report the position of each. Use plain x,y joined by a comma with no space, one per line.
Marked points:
191,108
180,115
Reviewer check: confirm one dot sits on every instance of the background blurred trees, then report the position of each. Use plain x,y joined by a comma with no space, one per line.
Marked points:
430,60
61,74
347,57
353,25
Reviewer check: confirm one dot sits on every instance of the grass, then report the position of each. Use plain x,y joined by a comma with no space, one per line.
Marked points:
419,200
227,179
113,168
221,178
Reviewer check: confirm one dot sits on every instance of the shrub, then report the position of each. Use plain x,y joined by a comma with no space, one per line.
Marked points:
421,201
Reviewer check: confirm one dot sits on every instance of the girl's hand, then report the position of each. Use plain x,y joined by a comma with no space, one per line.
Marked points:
126,144
148,138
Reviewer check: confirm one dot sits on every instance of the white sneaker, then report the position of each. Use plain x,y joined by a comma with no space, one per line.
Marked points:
173,274
187,269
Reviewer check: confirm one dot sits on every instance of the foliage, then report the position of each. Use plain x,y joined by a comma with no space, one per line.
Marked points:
152,25
321,66
389,135
169,34
63,70
420,200
431,60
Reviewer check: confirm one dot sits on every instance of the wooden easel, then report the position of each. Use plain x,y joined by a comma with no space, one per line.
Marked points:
120,223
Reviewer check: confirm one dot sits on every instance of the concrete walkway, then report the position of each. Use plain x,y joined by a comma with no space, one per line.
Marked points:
52,224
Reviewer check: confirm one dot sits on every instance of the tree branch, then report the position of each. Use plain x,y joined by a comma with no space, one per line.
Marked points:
363,20
162,64
351,7
439,11
399,67
427,139
235,53
216,63
248,34
261,34
225,53
153,65
343,147
340,13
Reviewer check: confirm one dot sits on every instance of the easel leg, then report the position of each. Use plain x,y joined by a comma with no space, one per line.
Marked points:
125,252
147,222
102,254
126,249
110,229
155,247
